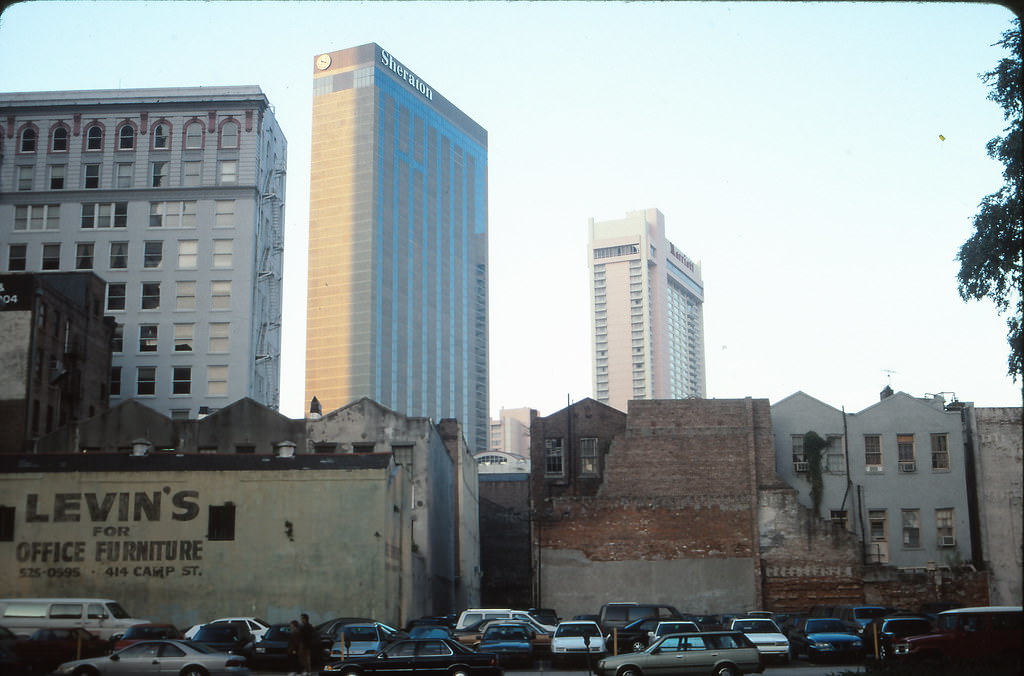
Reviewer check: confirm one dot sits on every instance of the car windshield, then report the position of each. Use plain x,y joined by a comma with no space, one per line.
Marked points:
755,626
117,611
577,630
217,632
361,633
676,627
277,633
825,625
908,627
506,634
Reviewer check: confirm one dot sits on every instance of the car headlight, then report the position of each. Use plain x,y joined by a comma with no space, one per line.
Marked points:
857,644
822,645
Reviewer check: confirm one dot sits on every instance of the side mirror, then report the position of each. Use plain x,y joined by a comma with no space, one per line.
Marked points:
115,657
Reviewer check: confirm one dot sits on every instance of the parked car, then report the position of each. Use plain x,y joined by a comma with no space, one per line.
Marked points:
100,617
47,648
825,638
475,615
576,641
666,627
226,637
361,639
546,616
709,622
180,658
326,633
254,625
766,635
10,663
430,631
636,636
879,634
425,657
540,636
145,632
989,632
272,649
511,642
723,653
856,617
619,614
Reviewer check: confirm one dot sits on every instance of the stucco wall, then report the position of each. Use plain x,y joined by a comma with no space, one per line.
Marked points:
344,552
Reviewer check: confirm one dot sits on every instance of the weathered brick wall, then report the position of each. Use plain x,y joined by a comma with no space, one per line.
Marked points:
912,589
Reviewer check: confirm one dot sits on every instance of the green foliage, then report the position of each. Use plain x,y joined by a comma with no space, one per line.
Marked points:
992,259
813,447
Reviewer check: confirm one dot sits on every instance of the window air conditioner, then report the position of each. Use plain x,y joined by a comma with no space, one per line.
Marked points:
801,466
908,466
873,469
947,541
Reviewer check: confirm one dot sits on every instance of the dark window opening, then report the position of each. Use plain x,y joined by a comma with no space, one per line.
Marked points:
222,522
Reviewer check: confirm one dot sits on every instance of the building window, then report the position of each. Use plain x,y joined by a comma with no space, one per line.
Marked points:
194,135
911,528
191,173
172,214
161,136
799,459
836,456
588,457
28,140
181,382
220,337
325,448
221,524
225,214
145,383
229,135
94,138
92,176
6,524
878,550
104,215
184,337
84,256
228,173
57,176
245,449
838,518
124,176
222,249
153,254
188,254
944,527
873,450
150,296
25,177
117,340
126,137
362,448
159,174
554,457
905,451
115,296
148,337
59,140
185,296
940,451
220,295
118,255
216,381
37,217
16,257
51,256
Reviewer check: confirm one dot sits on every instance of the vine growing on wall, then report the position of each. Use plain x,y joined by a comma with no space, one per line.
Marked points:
814,445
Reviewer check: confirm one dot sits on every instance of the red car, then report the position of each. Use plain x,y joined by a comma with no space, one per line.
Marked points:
146,632
46,649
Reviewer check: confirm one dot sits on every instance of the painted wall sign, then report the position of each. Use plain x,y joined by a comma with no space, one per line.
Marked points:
15,294
116,544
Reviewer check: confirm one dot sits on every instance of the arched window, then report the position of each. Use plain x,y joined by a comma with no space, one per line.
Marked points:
126,137
59,139
194,135
28,140
229,135
94,138
161,136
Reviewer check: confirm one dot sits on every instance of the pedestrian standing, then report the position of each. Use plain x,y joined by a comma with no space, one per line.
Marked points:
305,645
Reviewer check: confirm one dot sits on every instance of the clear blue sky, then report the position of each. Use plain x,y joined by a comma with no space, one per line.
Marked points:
793,147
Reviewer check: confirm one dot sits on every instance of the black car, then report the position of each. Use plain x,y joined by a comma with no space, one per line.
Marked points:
425,657
637,635
879,634
272,649
825,639
512,643
226,637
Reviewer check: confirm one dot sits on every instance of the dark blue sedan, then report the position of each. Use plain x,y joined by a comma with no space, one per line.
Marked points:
825,639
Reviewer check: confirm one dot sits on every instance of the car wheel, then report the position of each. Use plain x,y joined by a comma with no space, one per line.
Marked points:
727,670
459,671
193,671
351,672
86,671
638,646
629,671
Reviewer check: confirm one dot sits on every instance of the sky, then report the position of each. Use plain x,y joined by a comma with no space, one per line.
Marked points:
795,149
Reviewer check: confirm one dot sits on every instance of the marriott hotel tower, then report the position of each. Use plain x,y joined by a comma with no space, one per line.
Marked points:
397,299
647,313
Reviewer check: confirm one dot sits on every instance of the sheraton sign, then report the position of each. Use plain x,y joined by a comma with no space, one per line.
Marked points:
404,73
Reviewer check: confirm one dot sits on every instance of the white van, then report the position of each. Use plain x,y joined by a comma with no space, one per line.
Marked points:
100,617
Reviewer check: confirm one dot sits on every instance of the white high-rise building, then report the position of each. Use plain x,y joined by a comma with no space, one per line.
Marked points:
647,313
175,198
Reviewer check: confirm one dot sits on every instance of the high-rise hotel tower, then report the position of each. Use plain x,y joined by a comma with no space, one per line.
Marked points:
397,302
647,317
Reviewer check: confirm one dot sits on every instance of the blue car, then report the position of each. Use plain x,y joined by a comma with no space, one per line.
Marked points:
824,639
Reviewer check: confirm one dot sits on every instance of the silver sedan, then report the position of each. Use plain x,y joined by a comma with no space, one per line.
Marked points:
181,658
